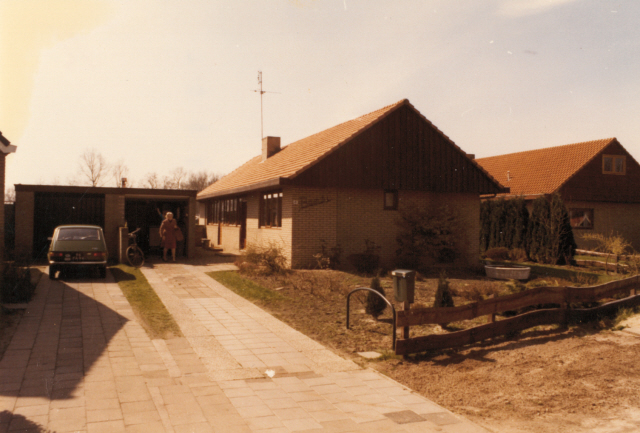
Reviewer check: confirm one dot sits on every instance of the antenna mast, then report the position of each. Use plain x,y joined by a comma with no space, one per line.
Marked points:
261,93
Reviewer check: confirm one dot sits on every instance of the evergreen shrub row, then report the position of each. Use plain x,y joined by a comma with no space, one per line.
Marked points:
544,235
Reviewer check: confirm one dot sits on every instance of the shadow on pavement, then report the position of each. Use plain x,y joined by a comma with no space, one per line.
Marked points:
59,339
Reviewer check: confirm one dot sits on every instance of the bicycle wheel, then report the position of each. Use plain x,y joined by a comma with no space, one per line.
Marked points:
135,256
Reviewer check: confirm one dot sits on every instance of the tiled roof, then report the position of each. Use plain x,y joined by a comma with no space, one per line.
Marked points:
296,157
542,171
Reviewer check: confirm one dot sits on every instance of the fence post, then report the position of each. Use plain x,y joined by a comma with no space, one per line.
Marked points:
405,330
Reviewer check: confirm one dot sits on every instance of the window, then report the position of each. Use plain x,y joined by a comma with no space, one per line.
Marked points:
613,164
271,209
391,200
223,212
581,218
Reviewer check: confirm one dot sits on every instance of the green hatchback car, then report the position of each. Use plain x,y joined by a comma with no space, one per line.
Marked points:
76,246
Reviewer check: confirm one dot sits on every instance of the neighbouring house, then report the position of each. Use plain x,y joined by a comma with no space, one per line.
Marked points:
345,186
40,208
599,182
5,148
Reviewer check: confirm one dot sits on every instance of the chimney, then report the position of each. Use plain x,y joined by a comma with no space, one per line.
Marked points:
124,182
270,146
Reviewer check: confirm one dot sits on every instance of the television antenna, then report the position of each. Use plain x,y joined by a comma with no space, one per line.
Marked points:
262,92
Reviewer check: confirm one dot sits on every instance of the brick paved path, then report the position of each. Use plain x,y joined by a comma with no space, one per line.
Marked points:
81,362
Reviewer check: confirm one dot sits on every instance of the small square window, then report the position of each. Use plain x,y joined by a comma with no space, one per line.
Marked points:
390,200
614,164
581,218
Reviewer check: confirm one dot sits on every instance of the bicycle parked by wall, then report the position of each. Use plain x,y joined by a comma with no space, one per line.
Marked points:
135,256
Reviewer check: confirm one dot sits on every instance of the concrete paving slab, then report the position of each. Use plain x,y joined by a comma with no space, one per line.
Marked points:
80,361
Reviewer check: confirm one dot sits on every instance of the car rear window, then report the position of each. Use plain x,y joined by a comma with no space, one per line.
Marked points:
79,234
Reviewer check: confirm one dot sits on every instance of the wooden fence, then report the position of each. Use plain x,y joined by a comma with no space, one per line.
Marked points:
565,296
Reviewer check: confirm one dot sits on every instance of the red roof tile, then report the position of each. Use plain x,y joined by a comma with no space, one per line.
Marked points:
542,171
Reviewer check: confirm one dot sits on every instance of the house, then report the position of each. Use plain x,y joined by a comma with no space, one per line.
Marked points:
599,182
41,208
345,186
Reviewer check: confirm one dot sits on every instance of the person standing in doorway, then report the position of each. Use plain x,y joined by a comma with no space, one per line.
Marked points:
168,235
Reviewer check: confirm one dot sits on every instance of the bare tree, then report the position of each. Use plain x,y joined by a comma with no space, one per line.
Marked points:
200,180
94,167
120,171
151,180
175,179
10,195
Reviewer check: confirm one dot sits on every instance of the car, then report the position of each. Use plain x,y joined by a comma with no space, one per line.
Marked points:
77,246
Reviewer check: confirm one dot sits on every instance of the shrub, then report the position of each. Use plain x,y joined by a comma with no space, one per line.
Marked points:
268,259
517,255
444,297
500,253
375,305
16,283
425,233
328,258
367,262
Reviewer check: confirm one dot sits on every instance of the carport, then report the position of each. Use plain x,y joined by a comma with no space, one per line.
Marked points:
40,208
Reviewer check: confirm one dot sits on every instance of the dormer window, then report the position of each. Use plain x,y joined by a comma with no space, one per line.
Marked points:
614,164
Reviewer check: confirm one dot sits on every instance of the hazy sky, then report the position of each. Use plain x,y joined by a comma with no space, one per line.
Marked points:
165,84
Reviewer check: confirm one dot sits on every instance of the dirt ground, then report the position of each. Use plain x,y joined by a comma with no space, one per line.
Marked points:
581,379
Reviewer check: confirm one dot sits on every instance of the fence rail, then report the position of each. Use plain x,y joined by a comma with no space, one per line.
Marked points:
564,296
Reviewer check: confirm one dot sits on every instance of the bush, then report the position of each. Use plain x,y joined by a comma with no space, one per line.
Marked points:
425,233
16,283
375,305
444,297
367,262
266,260
328,258
500,253
517,255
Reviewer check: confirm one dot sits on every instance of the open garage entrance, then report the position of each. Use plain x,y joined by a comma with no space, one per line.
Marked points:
147,215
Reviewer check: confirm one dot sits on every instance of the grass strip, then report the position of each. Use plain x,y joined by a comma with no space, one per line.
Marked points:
245,287
146,304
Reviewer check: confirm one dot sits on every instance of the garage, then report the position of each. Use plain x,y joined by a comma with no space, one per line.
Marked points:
41,208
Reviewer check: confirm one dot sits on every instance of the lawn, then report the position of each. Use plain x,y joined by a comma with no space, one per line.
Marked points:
146,304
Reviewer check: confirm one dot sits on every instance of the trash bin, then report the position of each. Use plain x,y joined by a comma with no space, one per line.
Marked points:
404,285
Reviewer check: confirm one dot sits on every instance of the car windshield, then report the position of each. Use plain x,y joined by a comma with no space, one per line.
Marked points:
79,234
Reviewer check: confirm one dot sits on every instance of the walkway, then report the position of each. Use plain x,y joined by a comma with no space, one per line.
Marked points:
81,362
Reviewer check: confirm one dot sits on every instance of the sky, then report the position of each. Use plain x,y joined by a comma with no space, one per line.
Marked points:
162,84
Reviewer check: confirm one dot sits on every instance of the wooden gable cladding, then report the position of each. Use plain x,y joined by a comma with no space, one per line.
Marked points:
401,151
591,184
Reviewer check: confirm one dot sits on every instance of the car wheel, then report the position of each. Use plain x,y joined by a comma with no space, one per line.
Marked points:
103,272
52,272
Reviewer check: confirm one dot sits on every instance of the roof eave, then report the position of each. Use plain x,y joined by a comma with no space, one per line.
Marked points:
270,183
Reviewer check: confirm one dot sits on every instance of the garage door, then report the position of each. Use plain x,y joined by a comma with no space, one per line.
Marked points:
54,209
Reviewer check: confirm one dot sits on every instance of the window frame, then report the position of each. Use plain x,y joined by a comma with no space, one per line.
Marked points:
223,212
589,211
393,206
270,209
614,163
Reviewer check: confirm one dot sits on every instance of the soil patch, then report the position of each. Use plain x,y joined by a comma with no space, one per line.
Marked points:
581,379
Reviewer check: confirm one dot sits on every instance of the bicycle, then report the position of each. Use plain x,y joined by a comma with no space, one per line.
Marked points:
135,256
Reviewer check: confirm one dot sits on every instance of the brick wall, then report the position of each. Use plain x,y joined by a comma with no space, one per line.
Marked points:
315,215
262,236
349,217
608,218
25,207
113,220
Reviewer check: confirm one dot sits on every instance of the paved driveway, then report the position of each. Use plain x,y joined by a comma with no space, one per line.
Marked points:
81,362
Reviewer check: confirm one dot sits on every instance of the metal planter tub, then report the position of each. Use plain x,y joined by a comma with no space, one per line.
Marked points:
506,272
